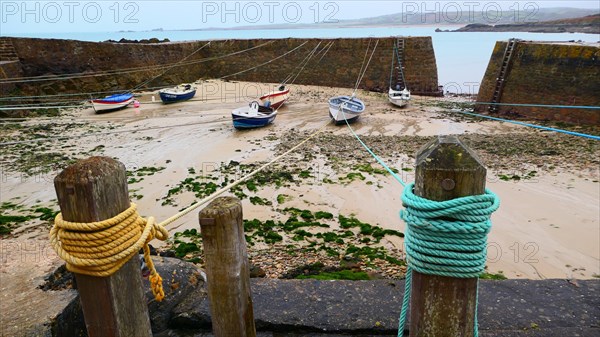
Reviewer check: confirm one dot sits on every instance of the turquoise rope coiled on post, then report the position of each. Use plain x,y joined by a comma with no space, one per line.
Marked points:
454,247
445,238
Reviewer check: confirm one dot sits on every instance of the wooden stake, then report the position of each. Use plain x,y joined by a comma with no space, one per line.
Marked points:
227,268
445,306
91,190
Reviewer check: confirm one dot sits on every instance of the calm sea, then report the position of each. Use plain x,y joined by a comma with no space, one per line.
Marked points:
461,57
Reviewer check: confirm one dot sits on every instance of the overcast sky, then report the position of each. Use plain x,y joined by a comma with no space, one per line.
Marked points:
18,16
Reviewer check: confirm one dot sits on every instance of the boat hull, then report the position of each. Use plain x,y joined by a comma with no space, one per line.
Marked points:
399,102
253,116
399,98
276,98
243,122
345,108
171,97
112,103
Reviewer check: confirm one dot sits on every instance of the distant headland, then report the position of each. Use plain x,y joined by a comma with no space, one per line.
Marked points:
588,24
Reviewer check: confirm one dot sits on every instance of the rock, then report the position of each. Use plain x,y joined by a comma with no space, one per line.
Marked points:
70,322
167,253
350,265
60,279
375,275
295,307
181,281
256,271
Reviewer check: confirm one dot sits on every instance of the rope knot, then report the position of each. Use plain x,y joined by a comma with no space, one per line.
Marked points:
101,248
156,286
447,238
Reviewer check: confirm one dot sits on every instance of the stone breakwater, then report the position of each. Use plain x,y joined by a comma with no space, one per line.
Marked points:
547,74
338,66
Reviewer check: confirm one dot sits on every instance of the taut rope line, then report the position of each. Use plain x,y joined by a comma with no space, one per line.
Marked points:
117,72
366,67
239,181
301,65
447,238
101,248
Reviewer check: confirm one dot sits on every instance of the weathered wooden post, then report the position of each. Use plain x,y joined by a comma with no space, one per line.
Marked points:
227,268
92,190
445,306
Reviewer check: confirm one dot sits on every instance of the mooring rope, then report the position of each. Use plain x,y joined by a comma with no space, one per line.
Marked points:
326,51
444,238
92,134
557,106
101,248
171,67
117,72
300,65
366,67
239,181
547,128
264,63
304,63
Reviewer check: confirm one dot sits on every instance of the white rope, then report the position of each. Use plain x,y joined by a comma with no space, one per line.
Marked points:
171,67
93,93
322,49
262,64
26,121
300,65
305,63
39,140
113,72
2,108
326,51
239,181
366,67
362,65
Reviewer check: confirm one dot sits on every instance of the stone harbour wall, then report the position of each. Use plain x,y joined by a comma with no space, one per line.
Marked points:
549,74
339,66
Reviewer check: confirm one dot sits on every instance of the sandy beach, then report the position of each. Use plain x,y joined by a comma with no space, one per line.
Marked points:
548,224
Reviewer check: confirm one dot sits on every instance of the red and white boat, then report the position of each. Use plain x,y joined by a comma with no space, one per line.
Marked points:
112,103
276,98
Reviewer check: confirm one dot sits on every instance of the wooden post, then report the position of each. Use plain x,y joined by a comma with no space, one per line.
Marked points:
91,190
227,268
445,306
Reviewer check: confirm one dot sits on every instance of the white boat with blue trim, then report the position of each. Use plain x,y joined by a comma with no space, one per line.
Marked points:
345,108
253,116
112,102
177,94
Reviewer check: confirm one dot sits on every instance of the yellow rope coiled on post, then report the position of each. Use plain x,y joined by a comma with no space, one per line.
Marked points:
101,248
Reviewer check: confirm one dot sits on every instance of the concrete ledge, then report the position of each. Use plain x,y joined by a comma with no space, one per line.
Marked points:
365,308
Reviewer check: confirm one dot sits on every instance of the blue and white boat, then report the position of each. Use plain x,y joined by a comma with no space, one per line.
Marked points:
112,102
253,116
345,108
177,94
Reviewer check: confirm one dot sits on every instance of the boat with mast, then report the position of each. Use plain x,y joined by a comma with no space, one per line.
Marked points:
398,94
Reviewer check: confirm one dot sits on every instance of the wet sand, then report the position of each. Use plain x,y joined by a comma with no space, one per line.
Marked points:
547,227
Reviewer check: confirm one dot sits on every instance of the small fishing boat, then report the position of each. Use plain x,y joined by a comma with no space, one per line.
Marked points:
399,98
398,95
276,98
345,108
253,116
177,94
112,102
